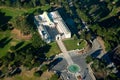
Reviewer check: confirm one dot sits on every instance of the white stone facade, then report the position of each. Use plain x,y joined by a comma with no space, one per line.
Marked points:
51,26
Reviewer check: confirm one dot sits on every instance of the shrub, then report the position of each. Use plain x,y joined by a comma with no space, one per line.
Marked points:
38,73
44,67
54,77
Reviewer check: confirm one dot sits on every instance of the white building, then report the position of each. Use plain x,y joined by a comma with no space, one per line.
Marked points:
51,26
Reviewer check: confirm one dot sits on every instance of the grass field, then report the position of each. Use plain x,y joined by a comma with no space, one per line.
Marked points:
4,35
14,12
71,44
29,75
53,50
8,40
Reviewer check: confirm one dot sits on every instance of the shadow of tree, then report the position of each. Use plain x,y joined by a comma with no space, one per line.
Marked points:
4,41
45,48
55,62
69,21
107,58
4,21
96,53
24,48
30,21
15,72
19,45
118,4
113,21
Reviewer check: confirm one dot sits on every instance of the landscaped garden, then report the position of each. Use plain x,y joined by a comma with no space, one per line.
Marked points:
54,50
20,41
72,44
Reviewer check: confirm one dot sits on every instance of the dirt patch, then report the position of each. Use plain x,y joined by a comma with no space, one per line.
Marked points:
13,43
102,44
18,35
46,75
28,75
100,75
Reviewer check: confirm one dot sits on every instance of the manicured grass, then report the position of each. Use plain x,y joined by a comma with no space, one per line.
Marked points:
53,50
46,7
13,12
8,41
4,50
71,44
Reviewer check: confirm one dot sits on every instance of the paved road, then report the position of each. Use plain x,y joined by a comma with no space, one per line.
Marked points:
95,46
66,75
80,60
65,52
90,71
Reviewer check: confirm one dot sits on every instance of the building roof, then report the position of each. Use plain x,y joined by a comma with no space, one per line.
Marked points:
52,20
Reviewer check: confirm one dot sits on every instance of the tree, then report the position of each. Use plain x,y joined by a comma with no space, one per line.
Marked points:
79,27
37,42
88,36
44,67
43,2
89,59
75,37
54,77
4,21
20,23
12,48
82,35
38,73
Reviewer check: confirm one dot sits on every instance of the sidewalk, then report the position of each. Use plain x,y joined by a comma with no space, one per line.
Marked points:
65,52
90,71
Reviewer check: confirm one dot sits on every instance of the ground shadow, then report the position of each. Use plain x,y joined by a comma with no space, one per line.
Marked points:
106,58
19,45
118,3
30,21
69,21
15,72
24,48
54,62
4,21
96,53
45,48
113,21
4,41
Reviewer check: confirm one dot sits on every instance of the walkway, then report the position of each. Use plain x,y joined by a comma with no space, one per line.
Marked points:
77,60
65,52
91,71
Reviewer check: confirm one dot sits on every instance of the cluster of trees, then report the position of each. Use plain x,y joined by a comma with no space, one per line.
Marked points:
29,55
99,66
102,18
29,3
22,3
94,13
25,23
4,25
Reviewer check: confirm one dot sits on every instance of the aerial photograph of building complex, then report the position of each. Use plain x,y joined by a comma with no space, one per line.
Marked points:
59,39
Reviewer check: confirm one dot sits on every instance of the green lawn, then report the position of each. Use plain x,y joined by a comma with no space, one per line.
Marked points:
71,44
9,41
46,7
13,12
53,50
4,50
